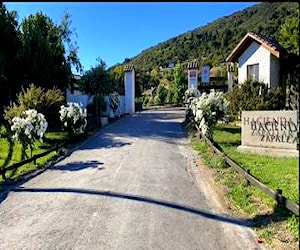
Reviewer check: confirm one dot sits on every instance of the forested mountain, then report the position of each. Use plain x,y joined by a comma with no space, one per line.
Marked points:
212,43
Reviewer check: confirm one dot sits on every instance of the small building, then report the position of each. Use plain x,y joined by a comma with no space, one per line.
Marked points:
258,58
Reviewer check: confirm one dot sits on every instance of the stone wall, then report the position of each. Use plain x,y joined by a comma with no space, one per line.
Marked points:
270,132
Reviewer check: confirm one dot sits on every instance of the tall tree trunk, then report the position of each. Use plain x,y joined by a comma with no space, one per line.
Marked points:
98,117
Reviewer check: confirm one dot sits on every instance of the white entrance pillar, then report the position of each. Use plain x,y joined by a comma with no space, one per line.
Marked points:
230,70
192,75
129,89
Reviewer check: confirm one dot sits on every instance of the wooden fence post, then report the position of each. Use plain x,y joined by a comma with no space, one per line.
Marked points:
279,198
248,172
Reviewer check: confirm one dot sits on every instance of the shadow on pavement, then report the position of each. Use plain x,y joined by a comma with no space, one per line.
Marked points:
10,185
167,204
78,165
3,196
161,125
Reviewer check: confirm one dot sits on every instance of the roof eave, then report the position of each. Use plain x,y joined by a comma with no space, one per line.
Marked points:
235,54
233,57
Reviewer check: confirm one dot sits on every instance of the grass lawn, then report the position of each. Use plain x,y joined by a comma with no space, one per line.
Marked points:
275,172
11,152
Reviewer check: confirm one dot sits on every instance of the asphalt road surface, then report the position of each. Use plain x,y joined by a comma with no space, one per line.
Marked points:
127,187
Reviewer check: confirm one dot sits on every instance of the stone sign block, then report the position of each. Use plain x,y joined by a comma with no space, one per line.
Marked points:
270,132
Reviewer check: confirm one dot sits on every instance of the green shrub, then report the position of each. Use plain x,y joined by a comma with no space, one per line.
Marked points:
13,111
3,131
169,96
139,103
114,101
145,100
151,101
91,108
139,99
160,95
157,100
45,102
253,95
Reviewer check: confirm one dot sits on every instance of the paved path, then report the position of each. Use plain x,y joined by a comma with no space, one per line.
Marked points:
126,188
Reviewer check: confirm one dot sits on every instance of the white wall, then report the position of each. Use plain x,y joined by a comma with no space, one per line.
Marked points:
119,111
78,97
257,54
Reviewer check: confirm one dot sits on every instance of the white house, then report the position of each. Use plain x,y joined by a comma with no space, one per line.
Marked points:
258,58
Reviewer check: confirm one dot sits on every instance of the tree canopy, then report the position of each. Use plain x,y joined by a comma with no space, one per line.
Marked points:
97,82
180,84
289,35
37,51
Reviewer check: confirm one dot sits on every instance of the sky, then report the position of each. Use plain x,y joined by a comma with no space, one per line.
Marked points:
114,31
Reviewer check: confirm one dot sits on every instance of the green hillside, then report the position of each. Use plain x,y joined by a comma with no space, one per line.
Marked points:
212,43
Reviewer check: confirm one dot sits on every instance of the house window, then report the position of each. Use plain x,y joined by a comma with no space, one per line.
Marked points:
252,72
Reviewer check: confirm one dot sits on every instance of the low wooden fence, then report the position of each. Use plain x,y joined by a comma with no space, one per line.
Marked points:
34,158
277,195
37,156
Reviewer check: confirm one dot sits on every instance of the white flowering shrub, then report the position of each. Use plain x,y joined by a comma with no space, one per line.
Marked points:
190,94
73,118
28,128
207,110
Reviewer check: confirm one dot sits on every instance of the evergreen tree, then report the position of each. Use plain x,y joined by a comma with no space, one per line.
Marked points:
179,85
97,82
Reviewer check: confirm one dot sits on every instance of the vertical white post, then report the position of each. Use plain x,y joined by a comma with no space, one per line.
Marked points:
193,74
129,89
230,70
192,78
230,81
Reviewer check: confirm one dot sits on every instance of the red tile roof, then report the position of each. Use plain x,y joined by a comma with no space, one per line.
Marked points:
269,43
192,65
128,67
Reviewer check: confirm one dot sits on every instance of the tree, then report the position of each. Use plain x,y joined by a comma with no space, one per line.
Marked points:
289,35
169,96
289,38
154,77
9,47
180,84
142,79
117,75
161,94
98,83
47,53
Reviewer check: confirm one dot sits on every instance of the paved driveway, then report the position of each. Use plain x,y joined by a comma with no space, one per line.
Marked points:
127,187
